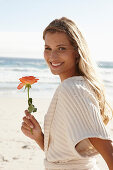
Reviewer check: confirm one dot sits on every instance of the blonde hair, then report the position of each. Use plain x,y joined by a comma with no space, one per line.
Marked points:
86,66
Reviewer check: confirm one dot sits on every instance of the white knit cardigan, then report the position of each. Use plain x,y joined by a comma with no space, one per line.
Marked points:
73,117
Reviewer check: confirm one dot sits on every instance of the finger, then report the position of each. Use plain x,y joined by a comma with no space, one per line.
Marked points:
32,118
27,113
26,132
25,126
28,122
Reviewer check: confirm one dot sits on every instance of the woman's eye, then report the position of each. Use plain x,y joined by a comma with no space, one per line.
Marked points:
47,48
61,48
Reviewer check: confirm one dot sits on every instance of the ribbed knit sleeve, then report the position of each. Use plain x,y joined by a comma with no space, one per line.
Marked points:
81,113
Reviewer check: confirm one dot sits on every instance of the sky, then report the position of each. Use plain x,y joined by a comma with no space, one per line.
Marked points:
22,23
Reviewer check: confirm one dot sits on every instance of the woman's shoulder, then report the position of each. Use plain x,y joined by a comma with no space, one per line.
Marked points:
77,86
73,83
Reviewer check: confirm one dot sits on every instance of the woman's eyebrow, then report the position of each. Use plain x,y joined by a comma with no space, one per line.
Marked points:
61,45
58,45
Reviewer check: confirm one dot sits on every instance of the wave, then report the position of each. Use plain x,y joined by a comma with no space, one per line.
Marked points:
22,69
105,64
11,69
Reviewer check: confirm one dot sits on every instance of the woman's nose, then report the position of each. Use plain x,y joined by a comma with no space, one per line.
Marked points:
54,54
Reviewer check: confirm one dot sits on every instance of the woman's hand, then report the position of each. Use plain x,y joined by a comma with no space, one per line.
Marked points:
29,122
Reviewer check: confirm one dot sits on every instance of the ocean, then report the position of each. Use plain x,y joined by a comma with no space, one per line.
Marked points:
11,69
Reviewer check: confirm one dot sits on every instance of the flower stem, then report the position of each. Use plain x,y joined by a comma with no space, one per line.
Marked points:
28,92
28,104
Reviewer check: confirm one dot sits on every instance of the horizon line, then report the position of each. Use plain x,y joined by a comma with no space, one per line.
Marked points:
43,58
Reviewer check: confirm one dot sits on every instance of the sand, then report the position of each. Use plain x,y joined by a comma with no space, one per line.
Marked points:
18,152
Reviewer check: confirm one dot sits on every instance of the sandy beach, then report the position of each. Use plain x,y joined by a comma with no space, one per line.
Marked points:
18,152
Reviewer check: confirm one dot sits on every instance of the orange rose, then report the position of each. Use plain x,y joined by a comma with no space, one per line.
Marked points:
27,80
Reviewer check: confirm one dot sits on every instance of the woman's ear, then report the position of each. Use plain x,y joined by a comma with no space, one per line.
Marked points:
77,58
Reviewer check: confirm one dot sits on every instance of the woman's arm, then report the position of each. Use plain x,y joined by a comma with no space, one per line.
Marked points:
105,148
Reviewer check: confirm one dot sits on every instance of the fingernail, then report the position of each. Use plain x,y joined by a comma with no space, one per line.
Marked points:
31,126
28,117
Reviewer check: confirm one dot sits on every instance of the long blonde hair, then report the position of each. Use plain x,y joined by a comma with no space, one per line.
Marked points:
86,66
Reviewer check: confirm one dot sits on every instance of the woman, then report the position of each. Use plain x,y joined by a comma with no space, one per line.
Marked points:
74,126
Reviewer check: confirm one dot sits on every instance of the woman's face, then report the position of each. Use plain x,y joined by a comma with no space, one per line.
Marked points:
60,55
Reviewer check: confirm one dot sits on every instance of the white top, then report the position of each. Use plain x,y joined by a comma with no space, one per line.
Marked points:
73,117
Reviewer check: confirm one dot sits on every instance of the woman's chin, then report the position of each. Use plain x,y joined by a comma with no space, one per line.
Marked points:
55,72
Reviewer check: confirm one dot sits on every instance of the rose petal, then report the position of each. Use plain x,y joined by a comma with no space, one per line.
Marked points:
20,86
28,80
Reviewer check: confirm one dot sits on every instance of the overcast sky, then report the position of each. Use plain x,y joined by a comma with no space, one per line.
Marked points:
22,23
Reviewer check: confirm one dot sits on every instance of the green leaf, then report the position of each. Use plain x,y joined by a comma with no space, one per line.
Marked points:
35,109
30,101
31,108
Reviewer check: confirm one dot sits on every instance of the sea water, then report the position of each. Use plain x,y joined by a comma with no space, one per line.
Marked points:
11,69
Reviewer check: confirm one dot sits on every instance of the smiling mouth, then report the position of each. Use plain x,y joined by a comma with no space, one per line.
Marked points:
55,65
